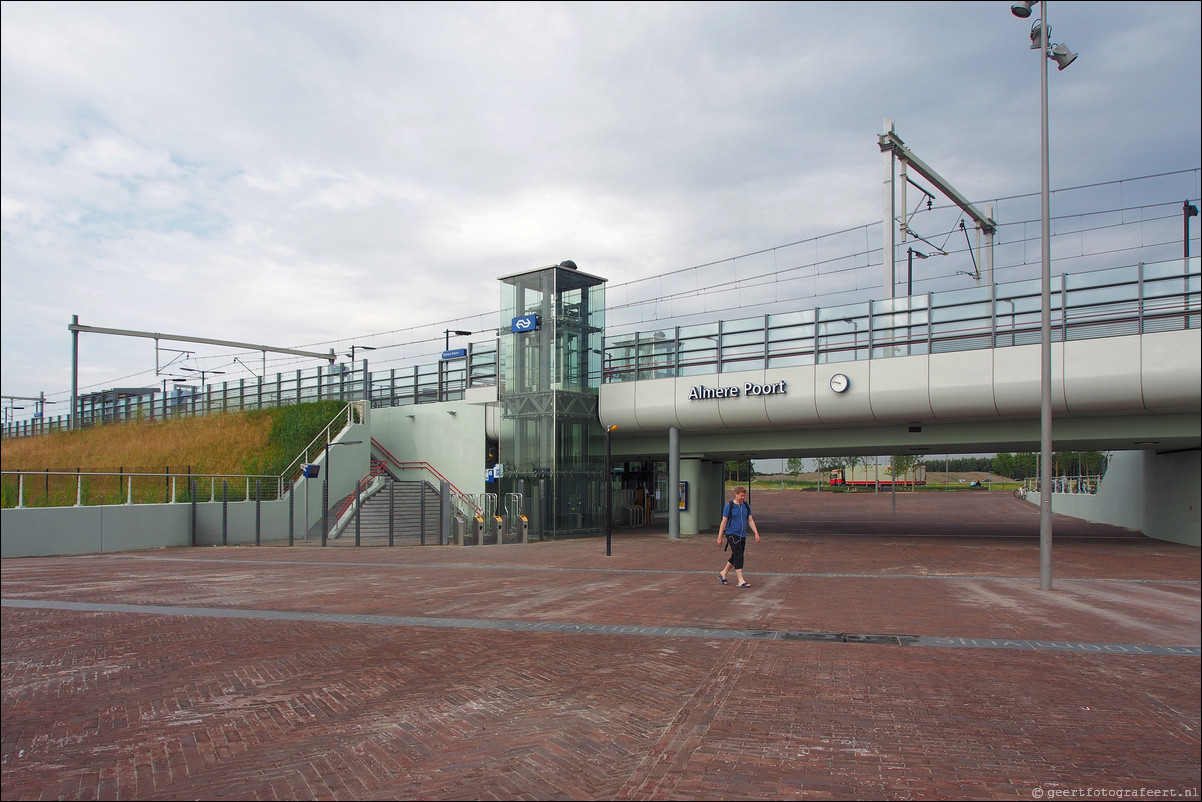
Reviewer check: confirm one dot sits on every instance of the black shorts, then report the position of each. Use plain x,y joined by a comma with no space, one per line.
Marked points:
737,544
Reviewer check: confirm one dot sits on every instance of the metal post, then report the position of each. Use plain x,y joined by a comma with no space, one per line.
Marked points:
325,487
73,417
192,498
890,215
391,511
358,507
444,514
258,511
1045,353
607,484
325,511
893,483
291,513
1188,210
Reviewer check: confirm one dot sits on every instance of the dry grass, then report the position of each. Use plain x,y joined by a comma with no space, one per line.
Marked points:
208,444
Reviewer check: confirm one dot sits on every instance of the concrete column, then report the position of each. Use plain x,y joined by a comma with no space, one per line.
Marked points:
673,482
691,471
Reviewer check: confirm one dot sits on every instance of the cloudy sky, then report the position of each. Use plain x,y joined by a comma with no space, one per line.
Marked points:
312,175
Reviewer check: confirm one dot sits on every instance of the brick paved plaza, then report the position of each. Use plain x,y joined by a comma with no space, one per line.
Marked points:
877,655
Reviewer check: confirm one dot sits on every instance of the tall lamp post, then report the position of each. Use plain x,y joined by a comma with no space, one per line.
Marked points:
910,254
447,335
607,484
1040,33
359,348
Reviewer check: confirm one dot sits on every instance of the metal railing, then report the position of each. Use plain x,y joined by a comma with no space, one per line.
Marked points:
1134,299
1070,484
351,413
47,488
464,504
81,488
1137,299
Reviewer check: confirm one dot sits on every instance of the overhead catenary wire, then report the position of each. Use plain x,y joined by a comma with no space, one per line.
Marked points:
422,340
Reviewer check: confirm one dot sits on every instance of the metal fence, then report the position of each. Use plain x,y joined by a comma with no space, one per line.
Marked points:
1137,299
1114,302
93,488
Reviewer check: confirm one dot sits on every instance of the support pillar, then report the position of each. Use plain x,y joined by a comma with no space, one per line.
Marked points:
692,519
673,482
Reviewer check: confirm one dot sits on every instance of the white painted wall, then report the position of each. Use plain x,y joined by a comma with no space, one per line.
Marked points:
449,435
1158,372
1156,494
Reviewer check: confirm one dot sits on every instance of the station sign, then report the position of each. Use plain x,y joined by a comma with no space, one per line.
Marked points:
455,353
520,325
703,393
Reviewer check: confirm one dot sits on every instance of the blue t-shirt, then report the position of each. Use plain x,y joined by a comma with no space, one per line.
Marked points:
736,515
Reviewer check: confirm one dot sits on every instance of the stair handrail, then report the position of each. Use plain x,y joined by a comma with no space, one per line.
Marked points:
322,437
377,468
423,465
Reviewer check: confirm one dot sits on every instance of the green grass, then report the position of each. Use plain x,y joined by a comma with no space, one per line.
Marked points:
260,442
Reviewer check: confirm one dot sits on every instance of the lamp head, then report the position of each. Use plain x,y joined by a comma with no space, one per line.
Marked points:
1037,35
1062,56
1022,9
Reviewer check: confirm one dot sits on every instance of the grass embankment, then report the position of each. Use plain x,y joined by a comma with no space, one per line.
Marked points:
260,442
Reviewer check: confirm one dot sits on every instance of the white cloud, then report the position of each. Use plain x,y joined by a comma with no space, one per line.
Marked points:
313,173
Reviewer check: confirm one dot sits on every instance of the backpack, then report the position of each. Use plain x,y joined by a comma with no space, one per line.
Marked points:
728,511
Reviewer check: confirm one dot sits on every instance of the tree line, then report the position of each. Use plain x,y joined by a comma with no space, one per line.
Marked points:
1023,465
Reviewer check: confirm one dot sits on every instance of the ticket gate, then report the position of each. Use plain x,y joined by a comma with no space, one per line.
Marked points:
519,524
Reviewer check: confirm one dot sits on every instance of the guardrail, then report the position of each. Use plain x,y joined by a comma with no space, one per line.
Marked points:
1136,299
351,413
461,500
81,488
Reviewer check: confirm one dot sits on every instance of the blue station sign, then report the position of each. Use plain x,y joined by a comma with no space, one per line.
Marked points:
525,323
455,353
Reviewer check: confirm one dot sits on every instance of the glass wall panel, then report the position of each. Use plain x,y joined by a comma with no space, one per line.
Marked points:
551,349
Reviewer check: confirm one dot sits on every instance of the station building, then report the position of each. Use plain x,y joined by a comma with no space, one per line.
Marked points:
528,429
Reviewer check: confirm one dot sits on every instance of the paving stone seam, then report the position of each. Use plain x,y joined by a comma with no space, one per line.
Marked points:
528,567
1112,649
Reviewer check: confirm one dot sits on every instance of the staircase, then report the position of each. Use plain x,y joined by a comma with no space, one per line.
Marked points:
415,516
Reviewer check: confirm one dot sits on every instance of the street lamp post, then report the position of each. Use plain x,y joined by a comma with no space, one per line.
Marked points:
910,254
607,484
448,333
1040,34
359,348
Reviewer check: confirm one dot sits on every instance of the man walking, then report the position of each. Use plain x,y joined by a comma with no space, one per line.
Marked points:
736,519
